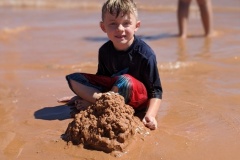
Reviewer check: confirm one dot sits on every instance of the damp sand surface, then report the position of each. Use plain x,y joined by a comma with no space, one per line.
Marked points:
198,118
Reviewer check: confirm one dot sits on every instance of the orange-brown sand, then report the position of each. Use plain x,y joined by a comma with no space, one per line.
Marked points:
199,115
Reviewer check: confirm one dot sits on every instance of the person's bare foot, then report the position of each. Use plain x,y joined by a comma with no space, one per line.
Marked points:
211,34
82,104
182,36
77,101
68,100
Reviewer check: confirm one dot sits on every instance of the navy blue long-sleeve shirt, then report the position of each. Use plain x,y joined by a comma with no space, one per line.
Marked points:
138,60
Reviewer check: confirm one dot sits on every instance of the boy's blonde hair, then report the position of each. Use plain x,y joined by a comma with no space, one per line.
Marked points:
116,7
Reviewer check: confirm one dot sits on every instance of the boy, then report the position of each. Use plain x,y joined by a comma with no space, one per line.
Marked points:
126,65
205,7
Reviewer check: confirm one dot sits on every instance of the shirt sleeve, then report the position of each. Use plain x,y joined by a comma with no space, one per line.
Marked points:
152,78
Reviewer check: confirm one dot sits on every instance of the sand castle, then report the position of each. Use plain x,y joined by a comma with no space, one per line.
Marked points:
108,125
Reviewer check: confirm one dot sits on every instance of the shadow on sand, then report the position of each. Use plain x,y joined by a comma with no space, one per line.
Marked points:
61,112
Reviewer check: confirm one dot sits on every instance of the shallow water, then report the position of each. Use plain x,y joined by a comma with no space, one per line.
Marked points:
40,44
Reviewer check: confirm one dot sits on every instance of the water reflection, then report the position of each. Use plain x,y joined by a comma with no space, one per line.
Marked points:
182,49
204,51
206,48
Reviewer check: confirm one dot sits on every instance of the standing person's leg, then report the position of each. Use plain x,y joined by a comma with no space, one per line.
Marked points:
182,16
205,7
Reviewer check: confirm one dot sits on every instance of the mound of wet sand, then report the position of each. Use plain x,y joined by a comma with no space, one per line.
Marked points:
108,125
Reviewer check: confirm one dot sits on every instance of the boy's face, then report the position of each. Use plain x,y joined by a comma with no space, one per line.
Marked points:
121,29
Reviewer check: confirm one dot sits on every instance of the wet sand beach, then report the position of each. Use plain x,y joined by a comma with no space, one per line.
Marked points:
41,42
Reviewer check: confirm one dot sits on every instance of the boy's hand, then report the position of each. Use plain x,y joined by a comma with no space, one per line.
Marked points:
150,122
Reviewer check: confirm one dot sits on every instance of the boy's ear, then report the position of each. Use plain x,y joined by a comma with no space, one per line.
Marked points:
138,24
102,26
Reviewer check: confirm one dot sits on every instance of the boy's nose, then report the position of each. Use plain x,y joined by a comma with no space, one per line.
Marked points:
120,27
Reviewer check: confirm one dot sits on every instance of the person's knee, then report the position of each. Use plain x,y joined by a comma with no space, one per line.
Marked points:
76,74
73,83
74,79
71,76
79,77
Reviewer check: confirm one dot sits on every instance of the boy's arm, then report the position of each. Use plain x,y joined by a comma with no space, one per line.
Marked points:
150,118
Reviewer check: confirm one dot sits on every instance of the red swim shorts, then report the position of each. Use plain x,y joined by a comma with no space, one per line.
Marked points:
133,91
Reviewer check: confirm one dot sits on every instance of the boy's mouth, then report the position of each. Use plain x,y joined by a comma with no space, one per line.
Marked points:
120,37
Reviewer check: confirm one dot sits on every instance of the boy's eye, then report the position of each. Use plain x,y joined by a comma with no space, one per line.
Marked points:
126,23
112,24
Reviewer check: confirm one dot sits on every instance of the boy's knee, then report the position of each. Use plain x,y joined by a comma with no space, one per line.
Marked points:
76,77
70,76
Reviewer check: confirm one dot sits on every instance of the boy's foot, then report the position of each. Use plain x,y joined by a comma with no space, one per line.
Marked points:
73,112
82,104
68,100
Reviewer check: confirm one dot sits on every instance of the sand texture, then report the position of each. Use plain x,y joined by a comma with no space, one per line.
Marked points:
107,125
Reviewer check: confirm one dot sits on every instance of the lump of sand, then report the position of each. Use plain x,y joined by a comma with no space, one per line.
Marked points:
107,125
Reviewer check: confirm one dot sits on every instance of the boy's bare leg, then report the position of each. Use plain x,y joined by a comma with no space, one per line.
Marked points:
86,96
205,7
182,16
85,92
82,104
